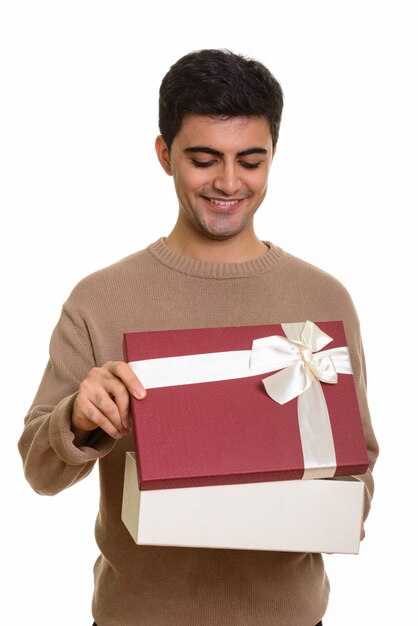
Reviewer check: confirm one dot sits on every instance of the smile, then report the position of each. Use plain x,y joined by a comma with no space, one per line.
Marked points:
223,203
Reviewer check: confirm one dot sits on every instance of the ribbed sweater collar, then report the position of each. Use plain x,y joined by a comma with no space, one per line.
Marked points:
207,269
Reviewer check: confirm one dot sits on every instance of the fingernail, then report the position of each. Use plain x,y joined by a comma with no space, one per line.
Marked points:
140,393
126,424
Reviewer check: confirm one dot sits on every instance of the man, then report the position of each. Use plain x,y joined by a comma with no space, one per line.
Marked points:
219,121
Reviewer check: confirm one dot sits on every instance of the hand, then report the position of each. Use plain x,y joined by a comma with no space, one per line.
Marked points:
103,400
362,533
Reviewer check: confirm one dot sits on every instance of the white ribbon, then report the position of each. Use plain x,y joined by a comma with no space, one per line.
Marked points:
303,364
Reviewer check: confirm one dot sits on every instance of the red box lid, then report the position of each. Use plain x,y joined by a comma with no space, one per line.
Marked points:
231,431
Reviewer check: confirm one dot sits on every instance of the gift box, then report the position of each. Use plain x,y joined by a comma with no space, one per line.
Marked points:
319,515
233,418
247,404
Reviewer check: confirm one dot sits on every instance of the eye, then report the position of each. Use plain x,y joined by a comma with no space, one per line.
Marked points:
250,166
202,163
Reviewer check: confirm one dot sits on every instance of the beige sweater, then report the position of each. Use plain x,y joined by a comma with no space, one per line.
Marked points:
156,289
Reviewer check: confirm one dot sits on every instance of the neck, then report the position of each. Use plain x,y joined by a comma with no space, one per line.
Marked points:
240,248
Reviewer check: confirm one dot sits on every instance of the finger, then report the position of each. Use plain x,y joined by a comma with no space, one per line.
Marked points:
125,373
88,416
104,422
108,407
120,396
95,396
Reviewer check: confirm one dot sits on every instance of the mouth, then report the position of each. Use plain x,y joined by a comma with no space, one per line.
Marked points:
223,205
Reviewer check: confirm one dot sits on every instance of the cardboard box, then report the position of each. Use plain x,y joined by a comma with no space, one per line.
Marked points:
321,515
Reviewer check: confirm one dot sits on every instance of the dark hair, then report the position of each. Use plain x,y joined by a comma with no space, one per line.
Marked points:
218,83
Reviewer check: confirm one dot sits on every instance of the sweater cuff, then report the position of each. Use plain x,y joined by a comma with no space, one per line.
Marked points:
62,437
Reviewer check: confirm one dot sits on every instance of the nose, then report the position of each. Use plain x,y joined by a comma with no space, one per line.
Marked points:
227,180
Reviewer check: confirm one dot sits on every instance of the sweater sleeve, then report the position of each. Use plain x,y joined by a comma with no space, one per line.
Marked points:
51,458
360,380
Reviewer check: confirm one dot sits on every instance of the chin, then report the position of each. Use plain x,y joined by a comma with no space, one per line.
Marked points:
221,234
222,231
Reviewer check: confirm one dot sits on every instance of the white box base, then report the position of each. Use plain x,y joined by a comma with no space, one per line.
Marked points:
321,515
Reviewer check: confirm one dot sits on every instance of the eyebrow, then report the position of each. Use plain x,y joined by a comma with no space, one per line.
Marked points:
207,150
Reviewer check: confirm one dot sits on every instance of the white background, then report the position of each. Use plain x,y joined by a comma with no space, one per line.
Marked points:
81,188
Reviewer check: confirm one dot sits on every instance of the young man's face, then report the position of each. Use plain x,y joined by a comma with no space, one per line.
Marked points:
220,169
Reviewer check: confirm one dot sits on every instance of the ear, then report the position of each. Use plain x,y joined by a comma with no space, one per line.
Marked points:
163,154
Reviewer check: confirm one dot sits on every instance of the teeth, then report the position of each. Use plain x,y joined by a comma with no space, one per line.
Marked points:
225,203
